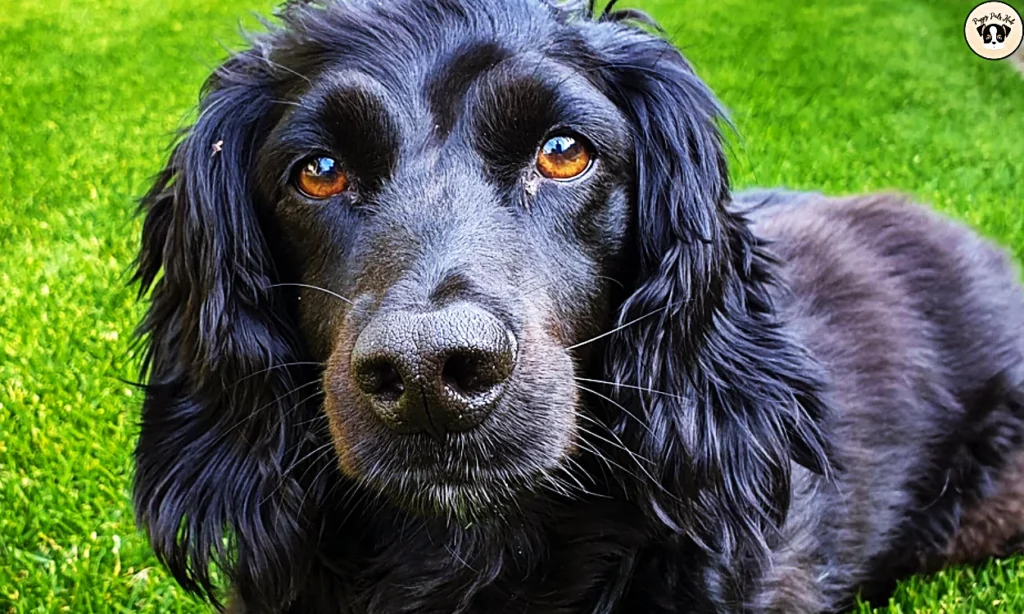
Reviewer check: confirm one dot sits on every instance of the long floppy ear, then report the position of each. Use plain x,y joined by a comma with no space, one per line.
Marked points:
219,437
727,397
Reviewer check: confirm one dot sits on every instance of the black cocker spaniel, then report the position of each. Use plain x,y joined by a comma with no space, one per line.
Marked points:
451,309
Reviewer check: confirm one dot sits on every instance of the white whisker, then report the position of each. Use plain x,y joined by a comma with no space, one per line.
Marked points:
616,404
312,287
618,328
280,366
630,386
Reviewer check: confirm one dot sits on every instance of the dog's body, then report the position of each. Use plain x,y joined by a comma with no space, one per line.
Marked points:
918,324
481,329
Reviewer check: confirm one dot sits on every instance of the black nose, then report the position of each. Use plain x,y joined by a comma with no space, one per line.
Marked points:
433,372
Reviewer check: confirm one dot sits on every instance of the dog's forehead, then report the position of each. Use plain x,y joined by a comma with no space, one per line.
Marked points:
446,85
427,52
437,65
524,80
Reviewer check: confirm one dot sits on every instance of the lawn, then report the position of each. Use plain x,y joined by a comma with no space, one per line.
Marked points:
860,96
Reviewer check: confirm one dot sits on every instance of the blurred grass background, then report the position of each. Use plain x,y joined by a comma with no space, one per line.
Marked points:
841,97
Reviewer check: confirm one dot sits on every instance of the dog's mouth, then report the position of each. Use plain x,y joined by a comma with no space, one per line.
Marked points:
459,457
484,472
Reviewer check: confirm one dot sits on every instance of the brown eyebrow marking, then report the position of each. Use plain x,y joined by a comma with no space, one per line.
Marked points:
449,85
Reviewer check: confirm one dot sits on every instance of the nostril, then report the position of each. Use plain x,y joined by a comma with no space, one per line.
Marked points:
380,378
469,375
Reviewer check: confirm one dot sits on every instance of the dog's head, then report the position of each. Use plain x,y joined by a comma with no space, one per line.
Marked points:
457,217
448,247
994,34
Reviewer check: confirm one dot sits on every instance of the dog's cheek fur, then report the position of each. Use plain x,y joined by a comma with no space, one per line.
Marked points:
215,459
722,420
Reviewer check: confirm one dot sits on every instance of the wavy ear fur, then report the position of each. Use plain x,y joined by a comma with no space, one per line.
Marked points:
218,440
733,397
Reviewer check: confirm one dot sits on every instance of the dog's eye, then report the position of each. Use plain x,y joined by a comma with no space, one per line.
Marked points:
563,157
321,178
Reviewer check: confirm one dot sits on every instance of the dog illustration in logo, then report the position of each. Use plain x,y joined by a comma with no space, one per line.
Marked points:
994,35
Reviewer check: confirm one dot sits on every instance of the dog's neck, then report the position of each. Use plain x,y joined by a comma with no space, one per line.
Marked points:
500,563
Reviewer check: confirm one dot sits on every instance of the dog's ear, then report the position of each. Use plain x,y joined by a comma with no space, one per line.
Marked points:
981,30
1005,30
726,396
218,438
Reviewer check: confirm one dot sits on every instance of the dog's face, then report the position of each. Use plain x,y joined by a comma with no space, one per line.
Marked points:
469,202
994,35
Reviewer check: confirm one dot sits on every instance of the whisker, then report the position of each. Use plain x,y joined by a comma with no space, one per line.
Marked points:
568,472
280,366
620,327
253,414
559,487
312,287
357,496
575,463
320,448
631,386
603,467
619,444
323,450
613,280
612,464
617,404
290,392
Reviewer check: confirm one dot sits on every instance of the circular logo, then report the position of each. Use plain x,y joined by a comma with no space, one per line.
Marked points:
993,30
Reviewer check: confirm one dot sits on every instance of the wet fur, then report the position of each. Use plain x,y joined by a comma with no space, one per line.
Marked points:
815,394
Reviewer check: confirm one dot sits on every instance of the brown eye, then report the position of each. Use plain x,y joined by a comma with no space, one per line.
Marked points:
563,157
322,178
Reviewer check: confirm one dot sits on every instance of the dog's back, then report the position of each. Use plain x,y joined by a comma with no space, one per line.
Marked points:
919,323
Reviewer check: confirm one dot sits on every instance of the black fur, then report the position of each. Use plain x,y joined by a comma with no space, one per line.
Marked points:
756,403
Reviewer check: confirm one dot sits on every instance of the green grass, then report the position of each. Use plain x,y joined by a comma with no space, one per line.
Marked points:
862,96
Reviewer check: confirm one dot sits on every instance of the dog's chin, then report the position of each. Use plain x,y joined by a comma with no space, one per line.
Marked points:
460,501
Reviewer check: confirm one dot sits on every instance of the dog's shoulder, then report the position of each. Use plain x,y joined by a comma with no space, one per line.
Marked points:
883,262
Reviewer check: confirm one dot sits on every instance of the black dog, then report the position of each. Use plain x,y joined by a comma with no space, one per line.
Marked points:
994,35
452,310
